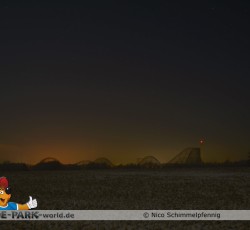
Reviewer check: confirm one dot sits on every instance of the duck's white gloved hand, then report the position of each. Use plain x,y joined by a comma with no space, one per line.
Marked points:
32,203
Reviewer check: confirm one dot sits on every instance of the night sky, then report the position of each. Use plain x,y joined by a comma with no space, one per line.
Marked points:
123,81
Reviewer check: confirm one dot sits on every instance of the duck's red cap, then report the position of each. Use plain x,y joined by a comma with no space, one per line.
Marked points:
4,182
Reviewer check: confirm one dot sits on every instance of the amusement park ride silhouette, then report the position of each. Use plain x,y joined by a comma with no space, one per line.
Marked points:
186,157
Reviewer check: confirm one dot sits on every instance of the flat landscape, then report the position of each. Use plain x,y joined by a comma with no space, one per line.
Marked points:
168,189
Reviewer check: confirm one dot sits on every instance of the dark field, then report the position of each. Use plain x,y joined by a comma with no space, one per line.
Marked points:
169,189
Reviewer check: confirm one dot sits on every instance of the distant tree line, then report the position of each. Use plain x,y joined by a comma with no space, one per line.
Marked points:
56,165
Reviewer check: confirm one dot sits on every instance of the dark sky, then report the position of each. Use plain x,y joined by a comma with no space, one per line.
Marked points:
81,81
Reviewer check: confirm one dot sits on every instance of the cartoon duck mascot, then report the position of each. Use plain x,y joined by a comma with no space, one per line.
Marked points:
5,195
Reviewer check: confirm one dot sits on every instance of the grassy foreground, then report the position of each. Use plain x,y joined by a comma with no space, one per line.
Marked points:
172,189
